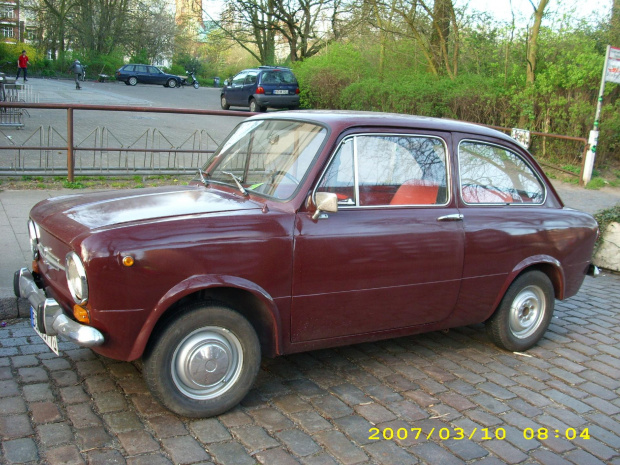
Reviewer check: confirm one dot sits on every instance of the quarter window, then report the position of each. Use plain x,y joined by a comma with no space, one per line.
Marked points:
491,174
381,170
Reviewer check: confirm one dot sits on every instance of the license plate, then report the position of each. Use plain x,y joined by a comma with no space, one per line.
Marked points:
280,92
51,341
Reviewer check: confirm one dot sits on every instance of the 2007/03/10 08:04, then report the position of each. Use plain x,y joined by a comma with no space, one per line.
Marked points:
457,434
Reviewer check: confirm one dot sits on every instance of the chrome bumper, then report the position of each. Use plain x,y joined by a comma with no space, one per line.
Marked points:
50,318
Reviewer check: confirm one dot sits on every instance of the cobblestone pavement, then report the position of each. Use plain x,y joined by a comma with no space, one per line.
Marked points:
557,404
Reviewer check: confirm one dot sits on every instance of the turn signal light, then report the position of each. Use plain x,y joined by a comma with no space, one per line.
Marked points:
81,314
128,260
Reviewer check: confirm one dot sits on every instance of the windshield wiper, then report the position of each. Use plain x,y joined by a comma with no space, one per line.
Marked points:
202,176
237,182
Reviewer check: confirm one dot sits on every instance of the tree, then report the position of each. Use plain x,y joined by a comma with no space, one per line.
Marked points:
53,19
532,43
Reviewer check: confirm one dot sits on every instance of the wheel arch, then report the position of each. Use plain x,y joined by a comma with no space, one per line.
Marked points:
550,266
245,297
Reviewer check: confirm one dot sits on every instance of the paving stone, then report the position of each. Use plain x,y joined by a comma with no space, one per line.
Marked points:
9,388
271,419
12,405
15,426
331,407
432,453
56,364
23,360
123,421
105,457
73,395
64,377
341,448
20,450
137,442
92,437
456,401
67,455
185,449
209,431
374,413
255,438
298,442
357,428
291,403
465,449
275,457
54,433
388,453
149,459
167,426
320,459
235,417
82,416
148,406
311,421
44,412
350,394
110,401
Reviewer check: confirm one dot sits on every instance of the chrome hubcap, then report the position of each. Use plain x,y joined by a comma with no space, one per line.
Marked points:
527,311
207,363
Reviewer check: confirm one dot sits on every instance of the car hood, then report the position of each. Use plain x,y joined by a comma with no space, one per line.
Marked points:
69,216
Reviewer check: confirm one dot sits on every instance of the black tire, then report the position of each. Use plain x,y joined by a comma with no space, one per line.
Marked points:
132,81
255,107
172,83
196,85
127,83
524,313
224,103
224,377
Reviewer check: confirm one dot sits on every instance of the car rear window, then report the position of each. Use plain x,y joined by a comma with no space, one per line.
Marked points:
276,77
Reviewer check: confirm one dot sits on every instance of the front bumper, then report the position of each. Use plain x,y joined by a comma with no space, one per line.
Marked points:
51,319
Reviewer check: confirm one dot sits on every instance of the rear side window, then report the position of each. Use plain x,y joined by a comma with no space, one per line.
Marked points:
129,68
278,77
491,174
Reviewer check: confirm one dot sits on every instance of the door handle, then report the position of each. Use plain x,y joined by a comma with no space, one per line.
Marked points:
453,217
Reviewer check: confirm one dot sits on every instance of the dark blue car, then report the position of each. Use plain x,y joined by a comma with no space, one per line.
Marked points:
146,74
261,88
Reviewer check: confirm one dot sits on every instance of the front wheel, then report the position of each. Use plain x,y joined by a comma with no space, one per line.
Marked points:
196,85
224,103
172,83
203,362
524,313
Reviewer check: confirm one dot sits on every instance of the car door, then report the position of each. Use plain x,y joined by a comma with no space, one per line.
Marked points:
155,75
392,256
141,74
234,91
505,220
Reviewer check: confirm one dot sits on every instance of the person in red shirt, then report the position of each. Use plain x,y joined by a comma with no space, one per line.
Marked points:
22,65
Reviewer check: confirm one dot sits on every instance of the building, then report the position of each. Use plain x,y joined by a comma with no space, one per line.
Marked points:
11,28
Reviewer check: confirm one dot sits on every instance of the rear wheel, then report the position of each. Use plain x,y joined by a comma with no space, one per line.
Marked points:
172,83
132,81
524,313
224,103
255,107
203,362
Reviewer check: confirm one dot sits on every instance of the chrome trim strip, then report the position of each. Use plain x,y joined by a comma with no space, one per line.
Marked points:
49,258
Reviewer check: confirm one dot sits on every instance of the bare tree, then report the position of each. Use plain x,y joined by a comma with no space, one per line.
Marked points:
532,43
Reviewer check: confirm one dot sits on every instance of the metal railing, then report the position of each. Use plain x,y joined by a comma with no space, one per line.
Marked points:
69,145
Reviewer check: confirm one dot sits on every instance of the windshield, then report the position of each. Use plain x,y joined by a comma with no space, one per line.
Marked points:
268,157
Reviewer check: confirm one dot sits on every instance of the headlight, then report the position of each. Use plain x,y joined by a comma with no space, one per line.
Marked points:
33,232
76,278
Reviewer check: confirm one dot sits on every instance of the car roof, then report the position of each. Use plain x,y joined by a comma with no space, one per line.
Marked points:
341,119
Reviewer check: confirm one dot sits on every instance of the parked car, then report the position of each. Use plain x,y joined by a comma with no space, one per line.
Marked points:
147,74
261,88
307,230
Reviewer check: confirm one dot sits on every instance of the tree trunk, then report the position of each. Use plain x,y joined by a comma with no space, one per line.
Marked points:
532,49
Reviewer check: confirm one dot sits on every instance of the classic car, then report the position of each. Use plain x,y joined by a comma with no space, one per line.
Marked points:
307,230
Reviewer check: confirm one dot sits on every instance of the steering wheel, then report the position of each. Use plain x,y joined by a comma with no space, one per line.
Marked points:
284,174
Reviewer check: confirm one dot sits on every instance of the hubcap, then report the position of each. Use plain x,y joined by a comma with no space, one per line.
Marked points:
207,363
527,311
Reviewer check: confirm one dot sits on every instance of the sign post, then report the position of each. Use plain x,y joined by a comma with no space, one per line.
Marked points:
611,73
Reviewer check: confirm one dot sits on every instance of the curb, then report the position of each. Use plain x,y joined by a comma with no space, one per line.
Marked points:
12,307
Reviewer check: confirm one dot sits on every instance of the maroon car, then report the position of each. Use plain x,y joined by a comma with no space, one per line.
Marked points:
307,230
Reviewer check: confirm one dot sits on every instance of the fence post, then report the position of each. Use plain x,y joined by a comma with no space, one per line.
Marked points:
70,160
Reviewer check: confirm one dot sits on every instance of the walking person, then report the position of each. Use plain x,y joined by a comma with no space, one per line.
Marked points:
22,65
77,69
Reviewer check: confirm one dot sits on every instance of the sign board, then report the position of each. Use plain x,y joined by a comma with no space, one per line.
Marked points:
522,136
612,73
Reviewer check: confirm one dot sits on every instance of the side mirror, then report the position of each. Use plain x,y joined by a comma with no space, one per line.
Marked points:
324,202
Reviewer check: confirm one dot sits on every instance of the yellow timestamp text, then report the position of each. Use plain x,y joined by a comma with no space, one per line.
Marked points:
482,434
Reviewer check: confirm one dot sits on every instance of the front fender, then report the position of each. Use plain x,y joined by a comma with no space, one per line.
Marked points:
199,283
546,263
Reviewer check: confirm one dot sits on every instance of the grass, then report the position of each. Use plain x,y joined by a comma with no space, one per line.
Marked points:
93,182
